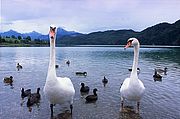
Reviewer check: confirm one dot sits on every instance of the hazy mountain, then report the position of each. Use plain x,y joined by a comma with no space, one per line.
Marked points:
10,33
35,35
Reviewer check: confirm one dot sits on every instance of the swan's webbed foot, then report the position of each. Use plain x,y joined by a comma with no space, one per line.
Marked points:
51,106
71,107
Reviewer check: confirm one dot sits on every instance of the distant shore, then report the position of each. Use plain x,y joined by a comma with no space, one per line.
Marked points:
61,45
23,45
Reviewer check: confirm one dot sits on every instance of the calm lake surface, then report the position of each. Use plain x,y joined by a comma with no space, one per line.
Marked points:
161,99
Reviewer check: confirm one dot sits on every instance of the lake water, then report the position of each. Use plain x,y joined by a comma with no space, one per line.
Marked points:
161,99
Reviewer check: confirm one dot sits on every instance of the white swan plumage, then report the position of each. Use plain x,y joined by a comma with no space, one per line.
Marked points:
132,88
58,90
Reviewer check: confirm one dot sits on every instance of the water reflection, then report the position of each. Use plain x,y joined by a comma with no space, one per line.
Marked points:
157,79
129,113
64,115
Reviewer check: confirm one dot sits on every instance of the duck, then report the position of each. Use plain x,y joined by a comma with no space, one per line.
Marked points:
92,98
81,73
37,94
105,80
58,90
8,80
68,62
19,66
25,93
132,88
33,98
157,77
84,89
162,71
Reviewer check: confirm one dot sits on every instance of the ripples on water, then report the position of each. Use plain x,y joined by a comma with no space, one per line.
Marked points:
161,100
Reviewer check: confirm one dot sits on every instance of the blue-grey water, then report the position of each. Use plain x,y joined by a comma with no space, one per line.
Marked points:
161,99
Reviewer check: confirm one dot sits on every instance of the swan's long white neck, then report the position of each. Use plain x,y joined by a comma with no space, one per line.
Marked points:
51,69
135,61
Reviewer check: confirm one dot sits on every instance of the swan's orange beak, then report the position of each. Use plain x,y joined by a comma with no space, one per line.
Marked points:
52,32
129,43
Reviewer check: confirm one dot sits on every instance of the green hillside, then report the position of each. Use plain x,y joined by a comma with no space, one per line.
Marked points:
160,34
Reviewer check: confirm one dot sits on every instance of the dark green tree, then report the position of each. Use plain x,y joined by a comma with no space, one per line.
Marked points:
19,37
13,36
28,38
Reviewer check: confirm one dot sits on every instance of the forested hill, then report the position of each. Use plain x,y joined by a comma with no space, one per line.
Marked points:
160,34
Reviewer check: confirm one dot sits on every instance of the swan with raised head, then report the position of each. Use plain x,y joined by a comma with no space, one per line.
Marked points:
132,88
58,90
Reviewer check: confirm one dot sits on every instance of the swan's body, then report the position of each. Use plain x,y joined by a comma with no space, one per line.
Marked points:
132,88
58,90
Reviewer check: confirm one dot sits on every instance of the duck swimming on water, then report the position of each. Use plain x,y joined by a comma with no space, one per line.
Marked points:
8,80
92,98
84,89
25,93
19,66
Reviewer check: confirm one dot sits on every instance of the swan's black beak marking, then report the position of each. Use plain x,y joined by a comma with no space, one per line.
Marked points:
52,32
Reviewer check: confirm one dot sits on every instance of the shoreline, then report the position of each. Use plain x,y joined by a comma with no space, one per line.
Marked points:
58,45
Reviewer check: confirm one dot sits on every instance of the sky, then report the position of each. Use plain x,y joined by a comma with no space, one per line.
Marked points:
86,16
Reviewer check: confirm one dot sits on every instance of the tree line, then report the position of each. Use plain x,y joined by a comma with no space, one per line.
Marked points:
20,40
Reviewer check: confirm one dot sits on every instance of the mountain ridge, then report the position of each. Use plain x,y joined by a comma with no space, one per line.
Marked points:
36,35
160,34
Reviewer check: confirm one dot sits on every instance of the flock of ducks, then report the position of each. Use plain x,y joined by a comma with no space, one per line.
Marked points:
59,90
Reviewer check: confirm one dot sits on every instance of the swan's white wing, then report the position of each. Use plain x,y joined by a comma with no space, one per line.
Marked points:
124,87
59,90
132,91
67,88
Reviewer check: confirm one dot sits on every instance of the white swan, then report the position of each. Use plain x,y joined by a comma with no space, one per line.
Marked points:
132,88
58,90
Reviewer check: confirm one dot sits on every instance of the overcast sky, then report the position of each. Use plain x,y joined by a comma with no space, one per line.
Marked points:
86,16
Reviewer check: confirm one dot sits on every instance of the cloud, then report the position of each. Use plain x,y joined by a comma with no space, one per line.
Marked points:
87,15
